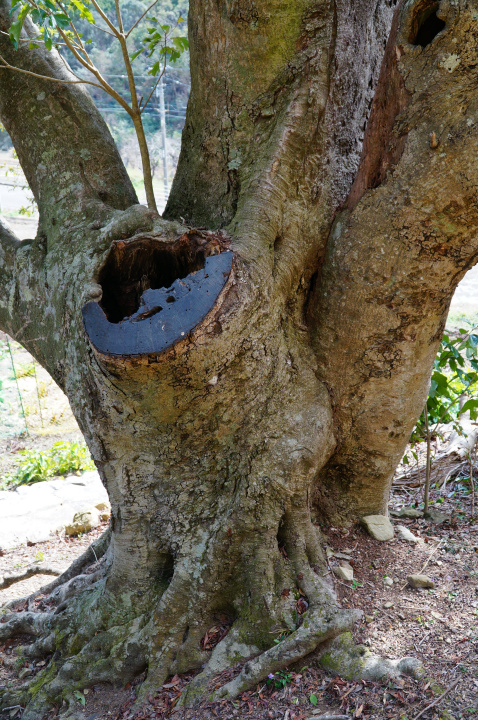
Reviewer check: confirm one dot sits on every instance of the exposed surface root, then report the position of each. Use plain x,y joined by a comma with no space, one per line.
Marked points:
29,572
23,623
94,634
92,554
356,662
317,627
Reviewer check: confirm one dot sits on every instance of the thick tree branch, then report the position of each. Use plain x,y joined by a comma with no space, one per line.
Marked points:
272,121
396,254
63,145
20,263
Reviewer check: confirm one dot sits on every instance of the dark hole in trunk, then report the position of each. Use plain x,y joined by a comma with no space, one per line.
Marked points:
139,265
166,569
281,538
427,25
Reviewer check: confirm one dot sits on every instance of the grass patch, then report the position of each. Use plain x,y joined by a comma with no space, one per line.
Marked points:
38,465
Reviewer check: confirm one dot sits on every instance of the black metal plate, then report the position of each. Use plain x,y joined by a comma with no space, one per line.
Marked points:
165,316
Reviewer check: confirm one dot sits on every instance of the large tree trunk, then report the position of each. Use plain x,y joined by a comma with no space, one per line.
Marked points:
290,389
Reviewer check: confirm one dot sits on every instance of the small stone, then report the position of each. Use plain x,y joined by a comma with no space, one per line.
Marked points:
420,581
368,618
83,522
436,516
405,534
378,526
342,556
103,507
411,513
344,571
388,605
388,581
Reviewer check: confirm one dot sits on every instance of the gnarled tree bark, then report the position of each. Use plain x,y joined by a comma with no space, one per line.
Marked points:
330,148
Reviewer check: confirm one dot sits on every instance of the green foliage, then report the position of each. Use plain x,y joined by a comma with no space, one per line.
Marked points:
56,22
61,459
313,699
171,46
25,370
455,373
279,679
50,16
80,697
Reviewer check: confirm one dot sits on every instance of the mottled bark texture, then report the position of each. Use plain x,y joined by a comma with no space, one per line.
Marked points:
332,147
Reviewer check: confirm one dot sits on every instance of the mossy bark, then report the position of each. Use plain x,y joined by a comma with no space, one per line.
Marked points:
295,396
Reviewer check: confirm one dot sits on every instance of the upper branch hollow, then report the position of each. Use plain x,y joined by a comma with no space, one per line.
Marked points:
426,24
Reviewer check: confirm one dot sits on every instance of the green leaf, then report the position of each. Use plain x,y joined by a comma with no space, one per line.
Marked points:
181,43
83,10
16,26
61,20
15,6
313,699
471,404
80,697
155,69
134,55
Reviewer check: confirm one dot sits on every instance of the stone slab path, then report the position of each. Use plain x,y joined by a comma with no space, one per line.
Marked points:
465,298
32,512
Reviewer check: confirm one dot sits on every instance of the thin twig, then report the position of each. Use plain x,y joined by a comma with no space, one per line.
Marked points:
472,481
140,18
7,66
439,699
38,392
430,556
429,459
18,386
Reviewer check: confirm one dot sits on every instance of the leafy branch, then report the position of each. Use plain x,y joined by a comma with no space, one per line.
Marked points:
54,27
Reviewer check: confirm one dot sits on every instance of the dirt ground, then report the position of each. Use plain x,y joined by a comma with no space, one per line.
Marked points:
34,412
438,626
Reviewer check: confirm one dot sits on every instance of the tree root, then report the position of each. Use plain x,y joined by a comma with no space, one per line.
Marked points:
317,627
29,572
355,662
92,554
94,635
23,623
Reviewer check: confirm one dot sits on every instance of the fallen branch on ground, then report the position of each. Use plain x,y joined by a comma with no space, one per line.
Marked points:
438,699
